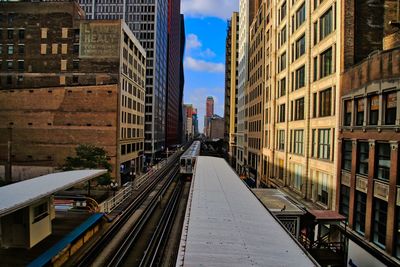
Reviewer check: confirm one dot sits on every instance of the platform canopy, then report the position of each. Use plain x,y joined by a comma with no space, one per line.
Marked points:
19,195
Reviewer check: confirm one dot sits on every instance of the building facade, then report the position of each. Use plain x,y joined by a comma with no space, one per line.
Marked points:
231,87
209,114
148,21
174,62
368,154
61,77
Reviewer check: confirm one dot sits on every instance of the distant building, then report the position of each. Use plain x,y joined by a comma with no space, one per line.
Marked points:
209,114
148,20
216,127
64,86
189,130
195,123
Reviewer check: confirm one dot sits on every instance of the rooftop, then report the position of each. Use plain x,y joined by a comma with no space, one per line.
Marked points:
19,195
226,225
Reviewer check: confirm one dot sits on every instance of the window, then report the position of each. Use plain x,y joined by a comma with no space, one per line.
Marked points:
383,161
282,111
282,87
315,105
63,64
283,11
10,50
325,24
40,212
347,113
300,77
360,211
390,108
10,33
363,158
359,111
44,33
282,36
325,102
297,176
10,64
282,61
380,219
21,65
54,49
43,49
298,142
75,65
347,155
300,15
324,144
315,74
373,110
21,49
281,140
299,109
21,34
314,143
315,39
344,200
280,168
64,33
326,63
323,193
300,46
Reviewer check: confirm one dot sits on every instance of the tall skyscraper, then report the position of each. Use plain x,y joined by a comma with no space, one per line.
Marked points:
181,80
231,87
210,106
209,114
148,20
174,61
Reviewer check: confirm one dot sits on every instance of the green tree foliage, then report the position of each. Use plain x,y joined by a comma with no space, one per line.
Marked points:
90,157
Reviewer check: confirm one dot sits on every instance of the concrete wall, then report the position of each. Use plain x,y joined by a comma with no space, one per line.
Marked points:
361,258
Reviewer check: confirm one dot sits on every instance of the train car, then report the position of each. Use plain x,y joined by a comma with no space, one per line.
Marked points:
188,159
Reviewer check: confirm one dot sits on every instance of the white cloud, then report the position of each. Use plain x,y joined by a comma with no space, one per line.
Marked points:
209,8
192,41
208,53
202,65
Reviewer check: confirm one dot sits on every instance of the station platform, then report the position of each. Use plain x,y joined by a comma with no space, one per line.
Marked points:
226,225
62,225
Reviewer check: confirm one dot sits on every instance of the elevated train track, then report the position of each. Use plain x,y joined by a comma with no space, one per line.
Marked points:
115,245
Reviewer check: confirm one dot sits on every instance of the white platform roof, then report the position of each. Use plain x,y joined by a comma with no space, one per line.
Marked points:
19,195
226,225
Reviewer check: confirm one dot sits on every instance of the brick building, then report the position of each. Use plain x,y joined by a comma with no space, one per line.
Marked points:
81,65
368,157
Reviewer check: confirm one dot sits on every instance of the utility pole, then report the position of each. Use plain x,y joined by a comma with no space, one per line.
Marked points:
8,170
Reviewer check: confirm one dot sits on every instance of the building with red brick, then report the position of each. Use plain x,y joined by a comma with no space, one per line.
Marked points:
79,82
368,187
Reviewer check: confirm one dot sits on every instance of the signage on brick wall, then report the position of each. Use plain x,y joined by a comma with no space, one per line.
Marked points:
99,40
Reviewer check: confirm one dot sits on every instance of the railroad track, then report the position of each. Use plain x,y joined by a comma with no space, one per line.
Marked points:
154,251
155,245
170,170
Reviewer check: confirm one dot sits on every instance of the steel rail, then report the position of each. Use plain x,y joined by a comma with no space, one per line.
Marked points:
95,250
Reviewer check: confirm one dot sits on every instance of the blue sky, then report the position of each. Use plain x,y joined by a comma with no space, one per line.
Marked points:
204,63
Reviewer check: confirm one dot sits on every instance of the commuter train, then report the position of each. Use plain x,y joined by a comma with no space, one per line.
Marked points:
188,159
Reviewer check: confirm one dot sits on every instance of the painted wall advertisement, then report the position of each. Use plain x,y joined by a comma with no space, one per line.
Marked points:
99,40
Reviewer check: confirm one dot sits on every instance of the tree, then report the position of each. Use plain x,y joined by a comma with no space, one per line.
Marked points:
90,157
